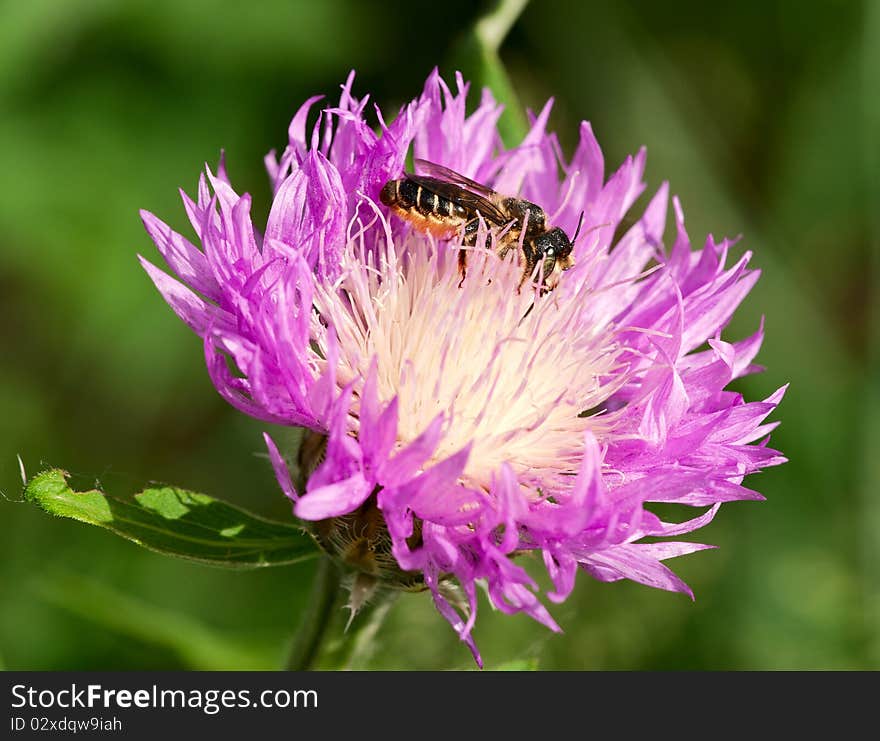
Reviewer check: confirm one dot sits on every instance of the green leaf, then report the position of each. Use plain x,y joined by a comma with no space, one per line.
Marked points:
476,56
178,523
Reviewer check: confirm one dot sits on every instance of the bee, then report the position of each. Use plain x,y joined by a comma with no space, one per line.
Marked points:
443,202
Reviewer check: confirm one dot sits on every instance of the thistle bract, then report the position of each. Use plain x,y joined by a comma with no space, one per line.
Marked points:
463,423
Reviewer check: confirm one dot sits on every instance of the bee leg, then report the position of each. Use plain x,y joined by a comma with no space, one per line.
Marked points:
470,232
528,269
469,238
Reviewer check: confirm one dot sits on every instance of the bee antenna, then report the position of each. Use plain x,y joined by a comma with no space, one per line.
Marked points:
578,230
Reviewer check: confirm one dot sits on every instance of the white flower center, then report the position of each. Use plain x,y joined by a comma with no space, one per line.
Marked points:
511,370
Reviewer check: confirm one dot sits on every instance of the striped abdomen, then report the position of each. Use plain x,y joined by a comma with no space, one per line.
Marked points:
424,208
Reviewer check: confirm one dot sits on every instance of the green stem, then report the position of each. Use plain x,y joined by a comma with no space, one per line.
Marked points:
493,27
476,55
308,639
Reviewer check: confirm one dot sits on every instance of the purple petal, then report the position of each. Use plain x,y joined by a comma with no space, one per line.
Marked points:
335,499
188,263
195,312
640,563
282,473
407,463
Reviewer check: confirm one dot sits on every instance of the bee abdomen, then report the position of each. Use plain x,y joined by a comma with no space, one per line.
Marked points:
407,195
388,194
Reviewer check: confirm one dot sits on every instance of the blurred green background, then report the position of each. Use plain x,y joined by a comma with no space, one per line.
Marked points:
764,117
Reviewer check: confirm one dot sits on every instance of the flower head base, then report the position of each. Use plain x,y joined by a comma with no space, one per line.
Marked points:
463,422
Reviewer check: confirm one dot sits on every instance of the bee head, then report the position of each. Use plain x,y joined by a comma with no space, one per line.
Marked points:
555,245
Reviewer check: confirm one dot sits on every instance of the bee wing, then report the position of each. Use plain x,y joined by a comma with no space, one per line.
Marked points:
458,189
451,176
470,201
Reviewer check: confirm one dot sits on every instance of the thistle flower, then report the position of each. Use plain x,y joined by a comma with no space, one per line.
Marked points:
461,424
